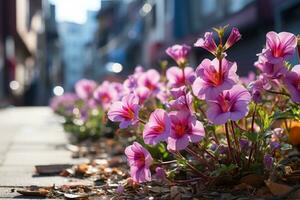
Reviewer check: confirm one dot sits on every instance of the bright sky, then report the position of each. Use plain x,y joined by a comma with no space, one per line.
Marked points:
74,10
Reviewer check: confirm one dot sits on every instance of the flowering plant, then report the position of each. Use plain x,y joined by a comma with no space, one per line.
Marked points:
84,111
210,121
207,123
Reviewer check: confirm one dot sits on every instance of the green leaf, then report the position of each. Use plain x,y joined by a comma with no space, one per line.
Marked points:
224,169
253,137
263,119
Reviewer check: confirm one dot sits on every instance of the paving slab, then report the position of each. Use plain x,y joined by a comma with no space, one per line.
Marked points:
31,136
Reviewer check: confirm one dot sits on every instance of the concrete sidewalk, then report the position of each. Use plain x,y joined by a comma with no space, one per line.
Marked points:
28,137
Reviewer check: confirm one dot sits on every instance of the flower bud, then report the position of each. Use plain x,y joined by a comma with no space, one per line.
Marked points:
208,43
233,38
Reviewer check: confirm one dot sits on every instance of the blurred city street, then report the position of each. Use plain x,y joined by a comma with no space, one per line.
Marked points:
149,99
46,46
31,136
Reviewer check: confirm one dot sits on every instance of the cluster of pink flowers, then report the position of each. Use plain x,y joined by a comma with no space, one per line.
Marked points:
214,83
273,67
178,107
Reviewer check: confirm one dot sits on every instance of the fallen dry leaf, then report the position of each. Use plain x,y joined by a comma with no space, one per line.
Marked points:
51,169
82,168
34,191
278,189
253,180
243,187
76,196
175,193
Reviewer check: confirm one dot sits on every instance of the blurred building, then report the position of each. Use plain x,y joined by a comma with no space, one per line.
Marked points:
54,68
24,37
76,40
138,31
118,39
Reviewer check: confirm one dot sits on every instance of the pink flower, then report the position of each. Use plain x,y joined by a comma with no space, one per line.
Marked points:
292,82
257,88
233,38
63,102
248,79
120,189
229,105
268,161
130,83
158,127
139,160
179,91
105,94
207,43
210,82
183,102
85,88
138,70
143,93
175,76
271,70
118,87
160,174
179,53
163,94
184,129
279,46
125,111
149,79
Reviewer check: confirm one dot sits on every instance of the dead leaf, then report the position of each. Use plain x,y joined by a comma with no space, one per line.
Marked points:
51,169
175,193
34,191
253,180
76,196
82,168
278,189
243,187
263,192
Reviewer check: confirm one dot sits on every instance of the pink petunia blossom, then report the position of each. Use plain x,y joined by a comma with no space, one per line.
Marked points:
138,70
84,88
208,43
182,103
233,38
140,161
292,82
179,91
163,94
64,102
279,46
179,53
248,79
160,174
184,129
210,82
125,111
176,79
157,128
149,79
130,84
143,93
229,105
105,94
271,70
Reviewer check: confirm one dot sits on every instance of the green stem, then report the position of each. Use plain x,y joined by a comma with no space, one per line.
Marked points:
166,162
281,93
234,136
253,147
228,142
142,121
